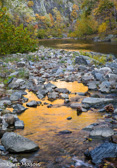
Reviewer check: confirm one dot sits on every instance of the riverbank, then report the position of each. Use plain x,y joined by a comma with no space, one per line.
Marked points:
35,72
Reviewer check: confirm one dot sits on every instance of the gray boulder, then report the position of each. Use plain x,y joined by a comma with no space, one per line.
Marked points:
102,132
15,143
5,102
96,101
19,124
53,96
19,108
105,150
32,104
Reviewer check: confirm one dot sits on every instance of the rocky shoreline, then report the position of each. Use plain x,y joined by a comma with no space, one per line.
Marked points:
34,72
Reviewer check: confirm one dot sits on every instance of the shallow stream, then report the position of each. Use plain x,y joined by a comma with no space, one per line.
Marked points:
42,125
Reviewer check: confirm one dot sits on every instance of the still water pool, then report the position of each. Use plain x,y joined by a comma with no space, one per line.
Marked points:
88,45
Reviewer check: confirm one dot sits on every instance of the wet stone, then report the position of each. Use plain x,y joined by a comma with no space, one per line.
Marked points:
65,132
62,90
19,124
104,132
15,143
32,104
53,96
76,105
105,150
69,118
96,101
19,108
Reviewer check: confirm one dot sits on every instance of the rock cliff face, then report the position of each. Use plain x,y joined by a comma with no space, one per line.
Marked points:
45,6
41,7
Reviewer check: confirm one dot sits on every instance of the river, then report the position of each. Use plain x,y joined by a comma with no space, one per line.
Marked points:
88,45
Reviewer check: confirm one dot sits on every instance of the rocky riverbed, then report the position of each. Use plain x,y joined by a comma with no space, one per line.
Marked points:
38,72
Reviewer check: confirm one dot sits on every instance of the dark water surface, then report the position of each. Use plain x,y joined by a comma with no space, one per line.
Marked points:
88,45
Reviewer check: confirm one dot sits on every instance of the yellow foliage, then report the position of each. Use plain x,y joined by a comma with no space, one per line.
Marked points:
51,18
74,13
102,28
0,4
84,26
30,3
75,7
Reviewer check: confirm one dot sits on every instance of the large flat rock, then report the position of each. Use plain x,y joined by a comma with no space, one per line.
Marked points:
102,132
15,143
96,101
105,150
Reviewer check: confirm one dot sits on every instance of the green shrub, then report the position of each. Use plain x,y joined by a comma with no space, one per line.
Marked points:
41,34
15,39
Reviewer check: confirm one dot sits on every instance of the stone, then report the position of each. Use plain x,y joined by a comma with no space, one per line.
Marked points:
1,133
112,77
66,101
6,164
114,138
104,132
105,150
87,77
62,90
32,104
19,108
19,81
5,102
90,127
92,85
105,70
59,71
80,60
17,95
115,111
53,96
105,87
75,105
21,64
82,68
99,76
19,124
6,111
14,74
64,96
15,143
2,148
65,132
10,120
25,161
96,101
50,86
113,66
69,118
41,93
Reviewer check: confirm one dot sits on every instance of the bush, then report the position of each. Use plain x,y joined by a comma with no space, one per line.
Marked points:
15,39
85,26
41,34
30,3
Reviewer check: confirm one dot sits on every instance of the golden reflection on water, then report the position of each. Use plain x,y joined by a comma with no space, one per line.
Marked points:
46,122
71,86
74,45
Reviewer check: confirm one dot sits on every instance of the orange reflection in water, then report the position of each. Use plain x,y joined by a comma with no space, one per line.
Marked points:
46,122
71,86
